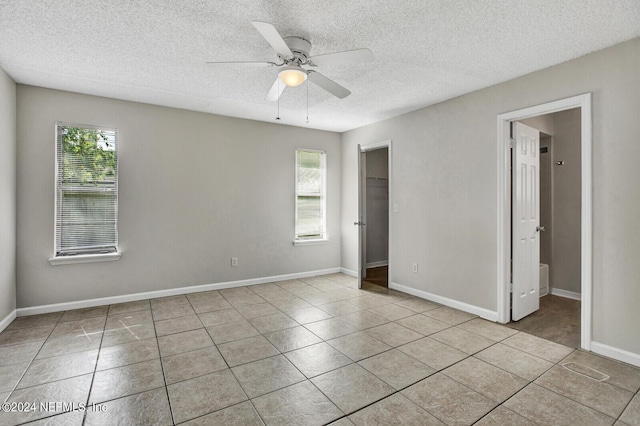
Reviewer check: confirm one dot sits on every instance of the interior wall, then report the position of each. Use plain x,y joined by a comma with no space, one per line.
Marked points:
445,184
566,233
195,189
7,195
543,123
377,224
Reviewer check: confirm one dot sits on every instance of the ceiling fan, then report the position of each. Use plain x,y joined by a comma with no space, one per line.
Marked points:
293,55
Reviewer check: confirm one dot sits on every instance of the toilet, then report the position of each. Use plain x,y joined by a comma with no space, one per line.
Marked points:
544,279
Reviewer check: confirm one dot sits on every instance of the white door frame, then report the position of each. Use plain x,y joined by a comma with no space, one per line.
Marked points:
504,205
371,147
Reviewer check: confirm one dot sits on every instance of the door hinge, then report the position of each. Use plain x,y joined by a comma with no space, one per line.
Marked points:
512,143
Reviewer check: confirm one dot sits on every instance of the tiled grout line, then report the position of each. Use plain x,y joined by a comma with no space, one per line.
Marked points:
357,331
390,302
243,390
637,392
440,371
282,354
93,375
95,370
467,357
26,369
356,362
164,377
226,363
517,413
228,366
550,390
396,391
39,384
578,402
102,338
31,362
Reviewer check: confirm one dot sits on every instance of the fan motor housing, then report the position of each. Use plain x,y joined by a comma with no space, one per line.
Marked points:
300,47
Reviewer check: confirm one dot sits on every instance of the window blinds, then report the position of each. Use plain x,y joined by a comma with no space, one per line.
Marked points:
86,190
310,194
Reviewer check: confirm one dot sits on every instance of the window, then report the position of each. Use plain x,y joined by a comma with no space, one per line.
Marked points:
310,195
86,190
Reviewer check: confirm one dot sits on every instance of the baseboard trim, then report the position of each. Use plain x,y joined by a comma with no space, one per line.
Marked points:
378,264
349,272
88,303
566,293
8,319
616,353
472,309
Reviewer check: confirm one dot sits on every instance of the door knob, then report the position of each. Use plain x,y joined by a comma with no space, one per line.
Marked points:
540,229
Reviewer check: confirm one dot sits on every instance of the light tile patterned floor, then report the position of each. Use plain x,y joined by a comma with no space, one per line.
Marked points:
300,352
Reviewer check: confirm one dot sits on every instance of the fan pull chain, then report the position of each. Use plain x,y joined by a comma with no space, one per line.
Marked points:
278,117
307,84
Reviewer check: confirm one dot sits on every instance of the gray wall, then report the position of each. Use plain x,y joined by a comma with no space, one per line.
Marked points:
195,190
543,123
7,195
444,181
377,224
566,233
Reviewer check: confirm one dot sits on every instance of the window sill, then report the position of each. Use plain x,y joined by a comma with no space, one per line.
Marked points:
85,258
310,242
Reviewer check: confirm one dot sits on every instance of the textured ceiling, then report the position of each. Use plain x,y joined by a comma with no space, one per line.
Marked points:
426,50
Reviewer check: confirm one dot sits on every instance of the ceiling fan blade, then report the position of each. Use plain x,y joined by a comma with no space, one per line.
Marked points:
276,90
245,63
328,84
273,37
347,57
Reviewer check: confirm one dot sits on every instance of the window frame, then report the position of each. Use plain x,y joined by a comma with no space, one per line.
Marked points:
83,256
323,203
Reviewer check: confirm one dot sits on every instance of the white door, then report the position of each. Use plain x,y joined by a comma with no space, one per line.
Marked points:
362,167
526,221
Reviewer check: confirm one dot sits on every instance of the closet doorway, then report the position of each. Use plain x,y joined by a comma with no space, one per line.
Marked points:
377,217
374,208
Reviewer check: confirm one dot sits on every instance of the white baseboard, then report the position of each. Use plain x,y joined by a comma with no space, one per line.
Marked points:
349,272
472,309
57,307
616,353
378,264
566,293
7,320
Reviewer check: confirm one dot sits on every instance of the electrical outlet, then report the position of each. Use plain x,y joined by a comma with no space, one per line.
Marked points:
396,208
414,267
234,261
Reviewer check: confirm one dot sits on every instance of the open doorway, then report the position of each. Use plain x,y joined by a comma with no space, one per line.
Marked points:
558,223
584,247
376,232
373,215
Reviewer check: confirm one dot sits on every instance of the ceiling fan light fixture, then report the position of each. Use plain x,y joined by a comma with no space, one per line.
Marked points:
292,76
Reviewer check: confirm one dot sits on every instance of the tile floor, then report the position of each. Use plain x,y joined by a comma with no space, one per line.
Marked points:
300,352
